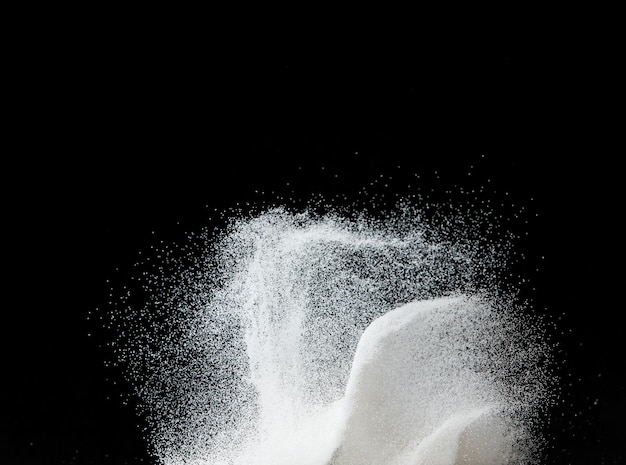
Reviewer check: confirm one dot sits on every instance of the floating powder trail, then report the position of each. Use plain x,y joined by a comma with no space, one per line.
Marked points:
316,340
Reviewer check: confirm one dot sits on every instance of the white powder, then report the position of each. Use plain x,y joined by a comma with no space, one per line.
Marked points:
306,340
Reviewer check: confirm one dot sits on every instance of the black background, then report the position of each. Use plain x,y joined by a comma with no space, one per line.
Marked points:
130,130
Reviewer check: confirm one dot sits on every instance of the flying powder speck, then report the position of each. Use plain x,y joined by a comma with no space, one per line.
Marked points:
339,339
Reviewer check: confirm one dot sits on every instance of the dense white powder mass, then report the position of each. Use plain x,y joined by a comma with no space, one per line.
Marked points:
298,339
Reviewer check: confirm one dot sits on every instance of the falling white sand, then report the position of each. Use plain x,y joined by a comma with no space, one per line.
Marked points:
313,341
423,403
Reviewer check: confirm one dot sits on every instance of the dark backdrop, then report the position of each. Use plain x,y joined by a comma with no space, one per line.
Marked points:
126,133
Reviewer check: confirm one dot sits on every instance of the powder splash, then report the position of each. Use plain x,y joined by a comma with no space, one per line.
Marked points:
307,339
